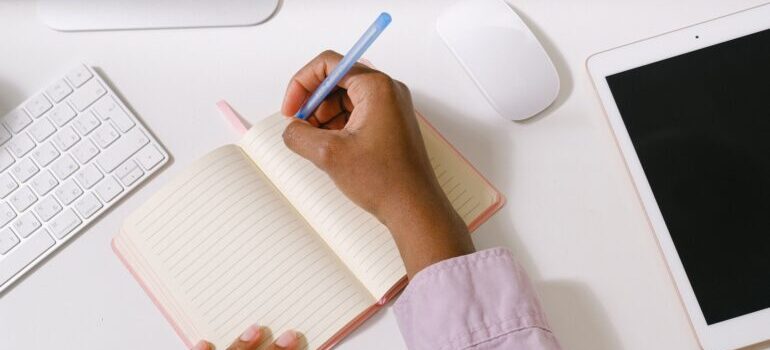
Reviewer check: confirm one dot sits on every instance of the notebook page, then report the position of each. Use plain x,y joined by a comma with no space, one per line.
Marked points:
360,240
223,249
469,193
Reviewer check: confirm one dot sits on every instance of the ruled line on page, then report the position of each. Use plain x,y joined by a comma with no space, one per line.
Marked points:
241,253
142,224
356,236
325,207
239,178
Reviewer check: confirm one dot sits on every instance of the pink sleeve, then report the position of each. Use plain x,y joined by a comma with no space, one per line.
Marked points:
478,301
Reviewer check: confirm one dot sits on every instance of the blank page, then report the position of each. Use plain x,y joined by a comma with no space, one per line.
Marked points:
220,249
359,239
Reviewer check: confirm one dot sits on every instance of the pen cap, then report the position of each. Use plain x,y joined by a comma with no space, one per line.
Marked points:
382,21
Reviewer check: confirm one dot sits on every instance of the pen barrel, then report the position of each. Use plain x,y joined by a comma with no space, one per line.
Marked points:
344,66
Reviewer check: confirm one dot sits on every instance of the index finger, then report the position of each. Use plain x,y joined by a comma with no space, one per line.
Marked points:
309,77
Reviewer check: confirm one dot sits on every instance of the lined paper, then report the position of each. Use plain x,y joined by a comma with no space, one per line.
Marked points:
359,239
469,193
221,244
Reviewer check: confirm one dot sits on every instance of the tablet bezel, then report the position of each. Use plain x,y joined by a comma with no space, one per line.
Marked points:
736,332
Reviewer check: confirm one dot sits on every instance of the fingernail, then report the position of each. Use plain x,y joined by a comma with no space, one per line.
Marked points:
286,339
202,345
250,334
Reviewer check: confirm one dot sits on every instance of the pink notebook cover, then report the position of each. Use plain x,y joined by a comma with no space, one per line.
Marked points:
241,127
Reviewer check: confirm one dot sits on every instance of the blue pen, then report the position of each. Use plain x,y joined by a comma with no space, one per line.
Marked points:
344,66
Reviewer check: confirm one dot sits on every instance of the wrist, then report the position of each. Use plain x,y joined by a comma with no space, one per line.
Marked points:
427,229
416,207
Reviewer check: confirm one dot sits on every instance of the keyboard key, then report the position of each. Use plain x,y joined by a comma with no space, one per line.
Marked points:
65,138
108,108
79,75
20,145
108,189
59,90
24,169
45,154
17,120
64,167
7,185
47,208
26,224
68,192
131,142
85,123
88,205
42,129
89,176
105,135
5,135
38,105
8,240
149,157
24,254
87,94
43,183
66,155
128,172
6,213
64,223
5,159
22,198
84,151
61,114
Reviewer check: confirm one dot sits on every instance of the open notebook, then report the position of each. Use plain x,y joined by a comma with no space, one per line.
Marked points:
254,233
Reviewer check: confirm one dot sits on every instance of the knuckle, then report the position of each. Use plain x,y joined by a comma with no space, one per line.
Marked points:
286,135
381,80
328,151
387,88
297,75
402,87
402,91
382,85
289,134
328,54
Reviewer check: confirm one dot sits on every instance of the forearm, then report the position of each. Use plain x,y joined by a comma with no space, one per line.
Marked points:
427,230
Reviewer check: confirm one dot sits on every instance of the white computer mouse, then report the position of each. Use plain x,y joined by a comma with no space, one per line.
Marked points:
502,56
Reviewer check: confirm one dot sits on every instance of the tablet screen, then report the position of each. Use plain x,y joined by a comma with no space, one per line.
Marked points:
700,124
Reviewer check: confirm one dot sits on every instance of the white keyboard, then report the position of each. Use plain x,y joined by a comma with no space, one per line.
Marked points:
67,154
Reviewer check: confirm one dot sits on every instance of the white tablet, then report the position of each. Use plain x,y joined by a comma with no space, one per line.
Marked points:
690,111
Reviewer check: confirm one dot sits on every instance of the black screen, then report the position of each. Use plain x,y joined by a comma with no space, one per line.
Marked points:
700,123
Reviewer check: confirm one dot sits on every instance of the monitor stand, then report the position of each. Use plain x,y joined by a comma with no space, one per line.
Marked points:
77,15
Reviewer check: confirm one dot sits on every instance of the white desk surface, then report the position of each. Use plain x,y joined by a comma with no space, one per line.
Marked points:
572,217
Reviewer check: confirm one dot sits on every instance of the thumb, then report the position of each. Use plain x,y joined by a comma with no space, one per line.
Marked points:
319,146
289,340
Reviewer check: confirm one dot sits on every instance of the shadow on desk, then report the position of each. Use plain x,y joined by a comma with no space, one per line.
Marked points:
575,314
760,346
10,97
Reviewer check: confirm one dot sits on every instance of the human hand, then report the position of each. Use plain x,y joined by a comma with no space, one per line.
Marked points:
252,338
366,137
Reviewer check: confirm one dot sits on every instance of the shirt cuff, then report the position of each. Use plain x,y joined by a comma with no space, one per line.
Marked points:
464,302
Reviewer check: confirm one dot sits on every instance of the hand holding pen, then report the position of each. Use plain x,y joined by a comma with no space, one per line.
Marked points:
368,140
